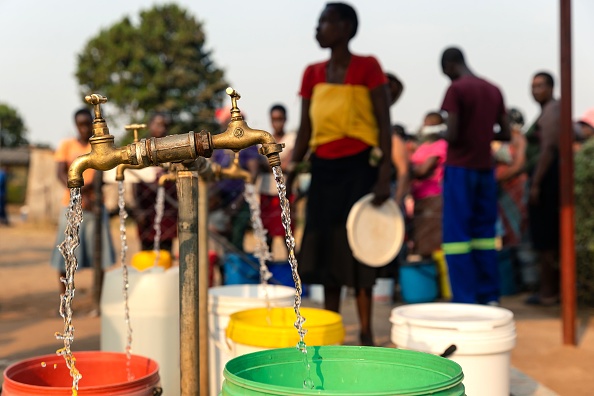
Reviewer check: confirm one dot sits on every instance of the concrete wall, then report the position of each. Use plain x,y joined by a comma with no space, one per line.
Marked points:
44,190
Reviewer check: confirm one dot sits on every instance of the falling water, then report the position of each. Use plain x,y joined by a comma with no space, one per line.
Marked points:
159,208
124,250
262,252
74,218
290,241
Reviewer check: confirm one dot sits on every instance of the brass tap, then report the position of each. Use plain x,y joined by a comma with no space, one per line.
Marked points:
171,176
122,167
239,135
233,171
104,155
153,151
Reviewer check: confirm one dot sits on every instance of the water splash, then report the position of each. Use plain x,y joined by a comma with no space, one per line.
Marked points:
74,218
159,208
126,284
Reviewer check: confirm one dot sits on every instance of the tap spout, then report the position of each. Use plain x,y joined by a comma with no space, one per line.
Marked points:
233,171
122,167
239,135
166,177
103,156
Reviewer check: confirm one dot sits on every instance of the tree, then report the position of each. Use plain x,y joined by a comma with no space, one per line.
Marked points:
12,127
159,64
584,222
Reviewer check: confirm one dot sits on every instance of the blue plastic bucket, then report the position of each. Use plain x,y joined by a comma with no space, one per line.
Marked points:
418,282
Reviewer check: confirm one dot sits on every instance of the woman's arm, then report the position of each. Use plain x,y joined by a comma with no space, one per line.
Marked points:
380,100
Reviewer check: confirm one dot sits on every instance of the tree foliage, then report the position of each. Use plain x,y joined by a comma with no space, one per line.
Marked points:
157,65
12,127
584,227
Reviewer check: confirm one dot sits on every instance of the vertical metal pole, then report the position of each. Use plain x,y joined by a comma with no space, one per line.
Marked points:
187,193
203,277
567,221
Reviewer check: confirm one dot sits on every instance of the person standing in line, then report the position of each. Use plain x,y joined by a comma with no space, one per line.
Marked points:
474,106
344,120
146,197
427,165
269,199
510,160
3,195
67,152
542,166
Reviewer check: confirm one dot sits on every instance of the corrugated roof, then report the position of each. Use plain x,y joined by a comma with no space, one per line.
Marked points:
15,156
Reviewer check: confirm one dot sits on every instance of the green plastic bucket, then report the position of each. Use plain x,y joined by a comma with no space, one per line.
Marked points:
343,370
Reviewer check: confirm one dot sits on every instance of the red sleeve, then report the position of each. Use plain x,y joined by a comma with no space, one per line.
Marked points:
307,83
450,102
365,70
375,76
312,75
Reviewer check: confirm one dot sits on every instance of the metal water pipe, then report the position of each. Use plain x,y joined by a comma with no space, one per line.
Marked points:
184,149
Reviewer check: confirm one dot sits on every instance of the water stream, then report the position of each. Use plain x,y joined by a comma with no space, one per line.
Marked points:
262,251
126,284
74,218
290,241
159,208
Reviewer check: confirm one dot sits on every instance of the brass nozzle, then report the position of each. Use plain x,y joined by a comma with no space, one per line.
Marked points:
166,177
233,171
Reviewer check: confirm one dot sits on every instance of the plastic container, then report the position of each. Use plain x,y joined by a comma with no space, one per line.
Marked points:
507,272
153,300
226,300
484,337
343,370
260,329
237,271
145,259
418,282
103,373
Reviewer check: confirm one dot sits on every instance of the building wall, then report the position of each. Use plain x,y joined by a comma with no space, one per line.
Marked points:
44,190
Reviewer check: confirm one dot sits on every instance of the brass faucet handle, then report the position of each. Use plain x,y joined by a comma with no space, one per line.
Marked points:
135,128
131,127
96,100
234,97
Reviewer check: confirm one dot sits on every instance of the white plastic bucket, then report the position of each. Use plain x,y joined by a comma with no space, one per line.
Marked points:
153,300
226,300
483,335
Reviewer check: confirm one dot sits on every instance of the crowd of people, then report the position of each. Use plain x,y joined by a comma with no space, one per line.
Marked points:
471,181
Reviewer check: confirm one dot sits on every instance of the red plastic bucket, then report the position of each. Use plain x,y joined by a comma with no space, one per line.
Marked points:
104,373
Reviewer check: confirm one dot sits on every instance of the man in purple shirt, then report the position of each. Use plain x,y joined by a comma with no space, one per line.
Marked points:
474,107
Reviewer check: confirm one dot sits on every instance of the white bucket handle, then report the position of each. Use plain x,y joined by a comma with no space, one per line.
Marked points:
225,347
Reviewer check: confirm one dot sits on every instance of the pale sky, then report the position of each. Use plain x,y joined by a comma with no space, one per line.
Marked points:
264,46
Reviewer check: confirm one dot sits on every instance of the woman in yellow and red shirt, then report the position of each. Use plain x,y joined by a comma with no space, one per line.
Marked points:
344,119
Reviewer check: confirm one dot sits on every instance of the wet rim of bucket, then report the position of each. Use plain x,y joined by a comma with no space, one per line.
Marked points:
344,352
52,359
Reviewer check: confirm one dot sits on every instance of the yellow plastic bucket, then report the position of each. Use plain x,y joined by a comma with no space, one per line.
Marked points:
262,328
146,259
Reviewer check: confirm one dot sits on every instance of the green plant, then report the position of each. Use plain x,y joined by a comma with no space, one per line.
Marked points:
584,230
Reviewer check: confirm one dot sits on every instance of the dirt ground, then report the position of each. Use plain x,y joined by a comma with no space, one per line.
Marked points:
29,317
